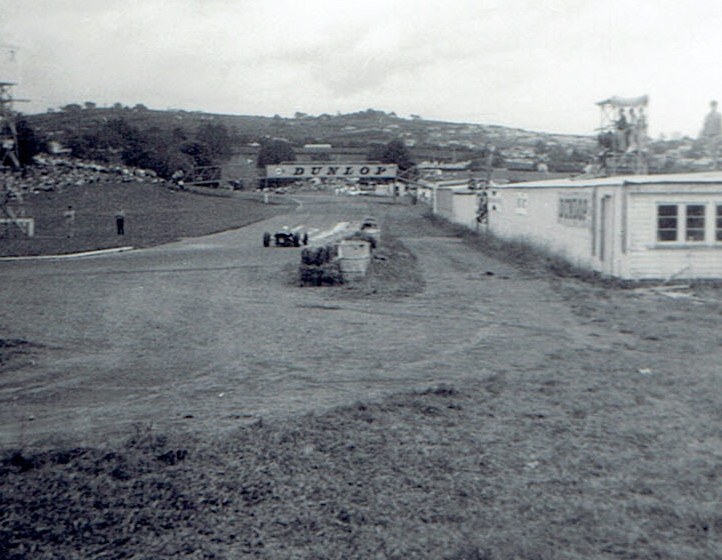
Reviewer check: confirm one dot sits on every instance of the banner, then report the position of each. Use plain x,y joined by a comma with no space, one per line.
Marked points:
575,209
335,170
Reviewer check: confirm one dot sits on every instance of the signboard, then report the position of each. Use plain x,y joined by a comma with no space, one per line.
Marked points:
575,209
335,170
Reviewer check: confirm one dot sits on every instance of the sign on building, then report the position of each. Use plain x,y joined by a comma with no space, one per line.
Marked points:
336,170
575,209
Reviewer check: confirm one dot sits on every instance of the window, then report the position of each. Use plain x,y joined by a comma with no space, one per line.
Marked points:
718,225
684,223
695,222
667,222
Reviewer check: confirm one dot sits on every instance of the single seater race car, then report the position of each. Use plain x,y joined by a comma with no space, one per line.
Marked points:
285,238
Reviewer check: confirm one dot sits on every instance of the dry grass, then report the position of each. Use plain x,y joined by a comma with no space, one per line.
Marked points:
500,470
530,258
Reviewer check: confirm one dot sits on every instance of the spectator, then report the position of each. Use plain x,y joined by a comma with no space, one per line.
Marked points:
120,222
712,133
69,216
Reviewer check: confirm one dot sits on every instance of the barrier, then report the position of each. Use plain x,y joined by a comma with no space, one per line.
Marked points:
26,226
354,256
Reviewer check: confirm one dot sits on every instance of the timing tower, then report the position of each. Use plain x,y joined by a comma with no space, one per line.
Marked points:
622,135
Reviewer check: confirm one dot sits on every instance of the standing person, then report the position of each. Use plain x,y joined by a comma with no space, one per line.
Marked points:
712,133
69,216
120,222
622,131
631,132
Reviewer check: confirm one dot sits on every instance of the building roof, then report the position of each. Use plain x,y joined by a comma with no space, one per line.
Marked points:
705,177
616,101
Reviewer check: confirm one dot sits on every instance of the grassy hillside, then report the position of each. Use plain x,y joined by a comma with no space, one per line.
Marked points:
154,214
348,130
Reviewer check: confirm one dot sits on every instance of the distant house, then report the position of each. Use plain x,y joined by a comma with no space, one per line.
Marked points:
317,148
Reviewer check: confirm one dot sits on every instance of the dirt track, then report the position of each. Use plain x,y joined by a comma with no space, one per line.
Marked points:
206,334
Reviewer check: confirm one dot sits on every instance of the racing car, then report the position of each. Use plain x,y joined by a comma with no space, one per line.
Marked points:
285,238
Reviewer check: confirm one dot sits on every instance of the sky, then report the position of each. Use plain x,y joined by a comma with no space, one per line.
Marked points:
534,64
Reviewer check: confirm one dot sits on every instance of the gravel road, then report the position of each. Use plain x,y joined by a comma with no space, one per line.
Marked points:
207,334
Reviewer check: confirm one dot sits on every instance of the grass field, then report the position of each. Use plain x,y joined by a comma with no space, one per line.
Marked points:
154,214
610,450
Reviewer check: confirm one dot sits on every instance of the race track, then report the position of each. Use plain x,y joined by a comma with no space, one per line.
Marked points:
207,334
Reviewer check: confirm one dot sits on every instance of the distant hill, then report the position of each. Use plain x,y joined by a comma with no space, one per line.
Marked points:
343,130
354,133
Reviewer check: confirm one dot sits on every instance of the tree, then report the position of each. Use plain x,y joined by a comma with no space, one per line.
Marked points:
376,152
217,138
199,151
275,151
179,135
29,143
88,146
89,105
397,152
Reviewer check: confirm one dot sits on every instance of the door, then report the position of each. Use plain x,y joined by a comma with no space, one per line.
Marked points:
606,234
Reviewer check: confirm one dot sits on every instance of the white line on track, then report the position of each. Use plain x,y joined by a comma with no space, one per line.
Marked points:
329,232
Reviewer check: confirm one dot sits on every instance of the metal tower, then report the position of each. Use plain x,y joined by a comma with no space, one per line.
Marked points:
8,131
9,151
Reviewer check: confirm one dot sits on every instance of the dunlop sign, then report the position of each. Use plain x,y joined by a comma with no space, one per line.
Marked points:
341,170
575,210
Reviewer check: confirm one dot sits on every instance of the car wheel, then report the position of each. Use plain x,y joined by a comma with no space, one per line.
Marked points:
266,239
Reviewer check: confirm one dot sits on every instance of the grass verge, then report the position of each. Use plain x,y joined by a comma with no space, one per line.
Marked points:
498,471
525,255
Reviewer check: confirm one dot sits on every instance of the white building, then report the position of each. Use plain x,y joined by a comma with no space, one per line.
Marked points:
453,200
632,227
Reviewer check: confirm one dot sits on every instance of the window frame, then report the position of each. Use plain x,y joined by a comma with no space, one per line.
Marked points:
687,218
658,217
717,222
682,228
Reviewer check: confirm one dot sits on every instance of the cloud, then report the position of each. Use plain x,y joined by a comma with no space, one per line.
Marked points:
516,62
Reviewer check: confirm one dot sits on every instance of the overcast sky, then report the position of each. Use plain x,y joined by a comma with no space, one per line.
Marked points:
534,64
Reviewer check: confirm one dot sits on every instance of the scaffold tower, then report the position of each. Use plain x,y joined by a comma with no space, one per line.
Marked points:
8,130
12,219
622,135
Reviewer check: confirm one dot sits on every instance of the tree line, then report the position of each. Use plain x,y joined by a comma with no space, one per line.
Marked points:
161,150
169,150
118,142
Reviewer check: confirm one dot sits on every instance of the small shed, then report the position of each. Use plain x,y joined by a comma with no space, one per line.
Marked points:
632,227
456,202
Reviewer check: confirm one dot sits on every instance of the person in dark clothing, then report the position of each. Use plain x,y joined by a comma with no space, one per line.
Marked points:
120,223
